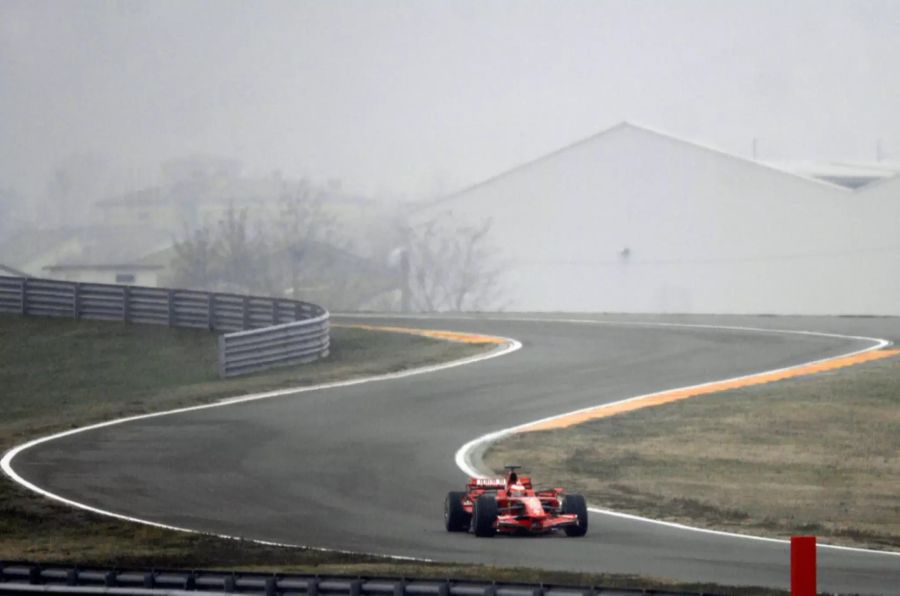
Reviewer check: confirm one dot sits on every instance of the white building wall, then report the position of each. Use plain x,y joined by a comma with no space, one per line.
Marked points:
142,277
706,233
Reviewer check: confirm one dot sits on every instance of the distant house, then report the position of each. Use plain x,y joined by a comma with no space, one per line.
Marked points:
129,274
30,250
634,220
10,272
90,254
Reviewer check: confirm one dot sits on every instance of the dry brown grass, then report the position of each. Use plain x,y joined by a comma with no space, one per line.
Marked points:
813,455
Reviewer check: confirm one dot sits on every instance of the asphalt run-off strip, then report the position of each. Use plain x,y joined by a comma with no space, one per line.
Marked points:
665,397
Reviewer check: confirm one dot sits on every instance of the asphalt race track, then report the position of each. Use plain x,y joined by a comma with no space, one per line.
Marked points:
366,467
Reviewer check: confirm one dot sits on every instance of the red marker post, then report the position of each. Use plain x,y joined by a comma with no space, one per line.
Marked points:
803,566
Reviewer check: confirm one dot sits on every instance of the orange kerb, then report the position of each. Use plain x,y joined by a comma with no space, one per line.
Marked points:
665,397
468,338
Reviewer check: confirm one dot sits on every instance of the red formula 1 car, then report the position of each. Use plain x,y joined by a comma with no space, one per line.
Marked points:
511,506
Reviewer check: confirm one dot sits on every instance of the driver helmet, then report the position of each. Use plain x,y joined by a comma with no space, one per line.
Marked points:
517,490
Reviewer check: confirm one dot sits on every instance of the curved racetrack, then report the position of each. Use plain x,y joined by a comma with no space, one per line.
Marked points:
366,467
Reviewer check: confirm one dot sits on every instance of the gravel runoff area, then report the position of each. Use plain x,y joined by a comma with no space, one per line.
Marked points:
812,455
58,374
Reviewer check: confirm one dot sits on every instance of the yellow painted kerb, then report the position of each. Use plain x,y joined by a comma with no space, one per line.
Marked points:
665,397
468,338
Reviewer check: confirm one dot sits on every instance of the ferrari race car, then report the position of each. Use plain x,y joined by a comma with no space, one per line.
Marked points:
511,506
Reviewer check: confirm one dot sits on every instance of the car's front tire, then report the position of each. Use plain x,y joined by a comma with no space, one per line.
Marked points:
576,504
456,518
484,516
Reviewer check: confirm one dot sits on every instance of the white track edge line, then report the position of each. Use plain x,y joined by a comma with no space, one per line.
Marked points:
678,526
461,459
510,345
463,462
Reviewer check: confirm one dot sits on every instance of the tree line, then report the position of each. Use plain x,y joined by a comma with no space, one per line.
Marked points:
301,253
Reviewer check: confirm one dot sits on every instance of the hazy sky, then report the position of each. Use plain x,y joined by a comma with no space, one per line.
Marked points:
417,97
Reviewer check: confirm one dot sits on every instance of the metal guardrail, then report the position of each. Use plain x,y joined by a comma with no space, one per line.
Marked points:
259,332
19,578
248,351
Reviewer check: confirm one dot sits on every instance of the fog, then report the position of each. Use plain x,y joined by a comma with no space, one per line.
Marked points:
414,99
137,137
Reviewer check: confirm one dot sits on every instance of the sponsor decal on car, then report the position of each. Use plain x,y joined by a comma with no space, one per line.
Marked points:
490,482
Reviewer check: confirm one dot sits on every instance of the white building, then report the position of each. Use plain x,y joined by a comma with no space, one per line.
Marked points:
98,254
632,220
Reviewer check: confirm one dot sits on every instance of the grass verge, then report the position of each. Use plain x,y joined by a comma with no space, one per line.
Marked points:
57,374
814,455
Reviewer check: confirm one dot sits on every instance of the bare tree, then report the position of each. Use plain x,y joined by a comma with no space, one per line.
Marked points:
452,267
427,267
195,260
227,257
298,250
302,222
242,258
476,283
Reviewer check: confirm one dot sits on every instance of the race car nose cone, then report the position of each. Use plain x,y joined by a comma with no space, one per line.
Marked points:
533,507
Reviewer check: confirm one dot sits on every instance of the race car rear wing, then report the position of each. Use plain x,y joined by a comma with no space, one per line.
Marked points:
487,483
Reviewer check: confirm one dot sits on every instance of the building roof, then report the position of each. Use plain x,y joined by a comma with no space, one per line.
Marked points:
887,186
622,126
104,267
94,245
850,174
114,246
10,272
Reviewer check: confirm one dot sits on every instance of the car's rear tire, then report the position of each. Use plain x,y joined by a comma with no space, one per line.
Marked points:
456,518
484,516
576,504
